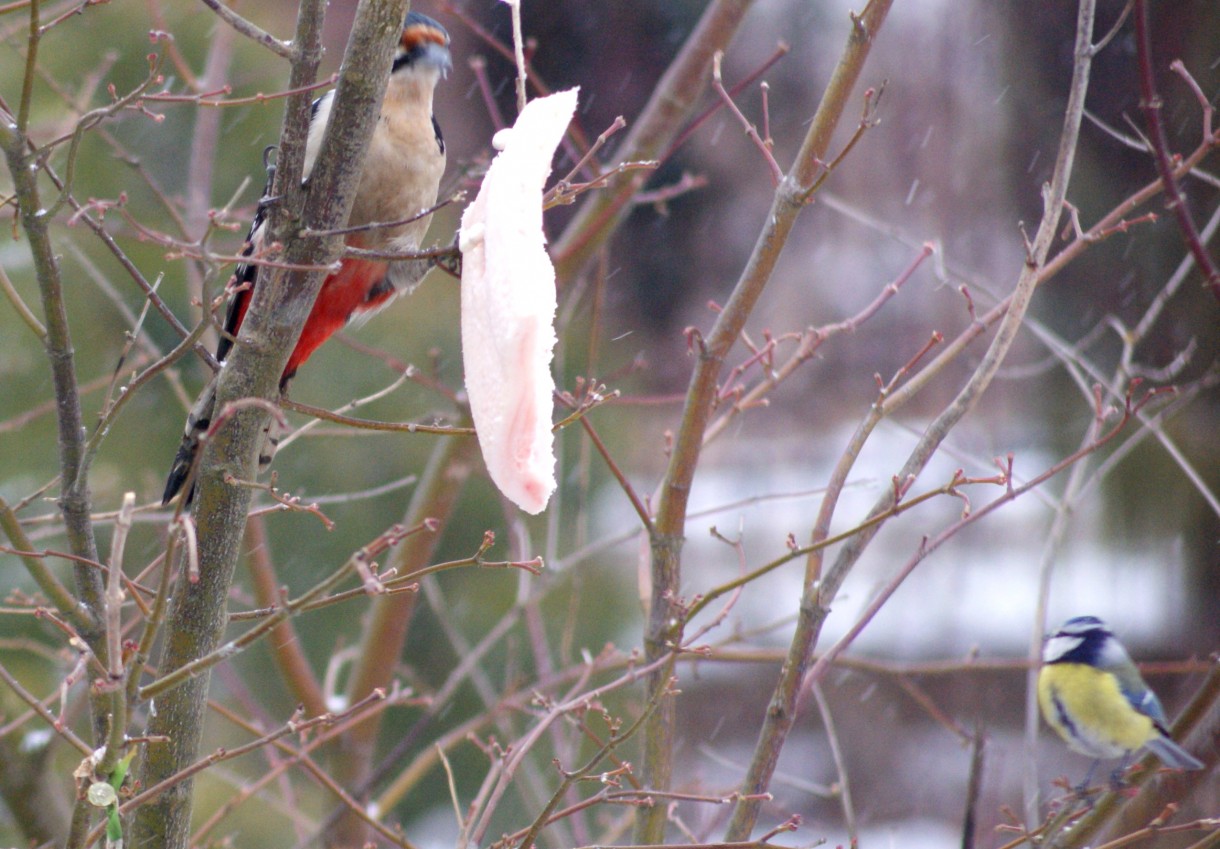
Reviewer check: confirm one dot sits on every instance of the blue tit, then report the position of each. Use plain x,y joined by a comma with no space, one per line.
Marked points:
1092,694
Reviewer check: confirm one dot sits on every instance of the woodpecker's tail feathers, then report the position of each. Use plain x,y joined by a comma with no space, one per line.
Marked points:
197,424
1173,755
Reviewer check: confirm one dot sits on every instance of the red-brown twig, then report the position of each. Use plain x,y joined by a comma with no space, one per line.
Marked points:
1150,105
763,146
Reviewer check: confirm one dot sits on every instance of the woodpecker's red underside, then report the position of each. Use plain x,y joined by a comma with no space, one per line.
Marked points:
344,294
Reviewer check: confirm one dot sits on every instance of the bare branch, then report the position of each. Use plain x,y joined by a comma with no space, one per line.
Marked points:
251,31
1150,104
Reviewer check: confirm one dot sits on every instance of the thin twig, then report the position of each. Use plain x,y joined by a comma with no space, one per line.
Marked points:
37,706
55,591
249,30
777,173
518,52
1150,105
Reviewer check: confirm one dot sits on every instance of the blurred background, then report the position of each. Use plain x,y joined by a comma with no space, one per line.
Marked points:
968,127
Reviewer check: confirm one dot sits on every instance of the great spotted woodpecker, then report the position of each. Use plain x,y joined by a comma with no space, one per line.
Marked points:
401,174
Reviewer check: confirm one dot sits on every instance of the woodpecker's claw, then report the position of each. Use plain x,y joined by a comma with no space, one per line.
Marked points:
450,261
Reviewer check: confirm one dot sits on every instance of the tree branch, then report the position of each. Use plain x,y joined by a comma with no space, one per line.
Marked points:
279,307
664,628
1150,104
820,590
74,499
671,103
385,631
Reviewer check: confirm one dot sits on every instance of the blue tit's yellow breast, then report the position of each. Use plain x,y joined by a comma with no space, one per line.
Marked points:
1085,705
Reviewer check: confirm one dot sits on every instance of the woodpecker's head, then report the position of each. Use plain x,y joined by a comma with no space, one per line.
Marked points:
424,47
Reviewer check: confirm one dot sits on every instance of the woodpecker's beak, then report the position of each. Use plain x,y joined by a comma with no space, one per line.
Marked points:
424,43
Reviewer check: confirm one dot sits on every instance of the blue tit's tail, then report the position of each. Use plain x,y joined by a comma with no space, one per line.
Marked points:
1173,755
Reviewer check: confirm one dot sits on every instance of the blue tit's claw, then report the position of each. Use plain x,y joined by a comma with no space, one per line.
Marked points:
1085,792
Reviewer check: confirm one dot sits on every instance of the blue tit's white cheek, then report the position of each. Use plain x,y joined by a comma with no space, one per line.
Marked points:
1058,646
